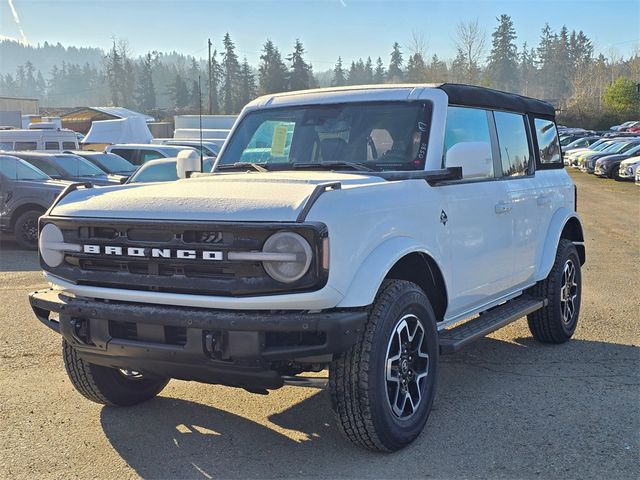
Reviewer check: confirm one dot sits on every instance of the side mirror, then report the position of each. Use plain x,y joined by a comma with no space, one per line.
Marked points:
475,158
123,180
187,161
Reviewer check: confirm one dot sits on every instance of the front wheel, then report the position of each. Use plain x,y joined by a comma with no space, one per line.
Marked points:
109,386
382,389
25,229
562,288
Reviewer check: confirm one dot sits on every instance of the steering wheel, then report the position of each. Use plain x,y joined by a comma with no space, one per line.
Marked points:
393,156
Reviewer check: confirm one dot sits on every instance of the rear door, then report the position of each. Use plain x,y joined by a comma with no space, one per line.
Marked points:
524,192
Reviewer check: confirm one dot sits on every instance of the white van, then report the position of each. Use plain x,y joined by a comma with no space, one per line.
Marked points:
39,136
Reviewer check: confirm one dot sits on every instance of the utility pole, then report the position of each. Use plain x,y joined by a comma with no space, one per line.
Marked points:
210,90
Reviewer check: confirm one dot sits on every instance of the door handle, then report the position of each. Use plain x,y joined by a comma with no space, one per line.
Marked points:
544,200
503,207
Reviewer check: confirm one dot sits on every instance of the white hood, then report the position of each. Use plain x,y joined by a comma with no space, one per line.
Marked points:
245,197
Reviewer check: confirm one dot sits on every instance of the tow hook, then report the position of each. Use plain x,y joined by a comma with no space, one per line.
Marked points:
80,330
213,345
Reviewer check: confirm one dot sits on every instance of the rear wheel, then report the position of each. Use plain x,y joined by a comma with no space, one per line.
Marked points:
382,389
25,229
109,386
557,322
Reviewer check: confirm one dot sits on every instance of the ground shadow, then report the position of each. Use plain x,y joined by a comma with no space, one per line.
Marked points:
514,410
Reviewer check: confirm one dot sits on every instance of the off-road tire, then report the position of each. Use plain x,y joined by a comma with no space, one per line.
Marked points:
357,378
23,229
108,386
547,324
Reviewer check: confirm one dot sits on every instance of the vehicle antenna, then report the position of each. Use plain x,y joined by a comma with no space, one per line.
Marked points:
200,101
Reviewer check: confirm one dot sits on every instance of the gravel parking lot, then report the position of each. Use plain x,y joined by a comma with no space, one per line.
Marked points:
506,407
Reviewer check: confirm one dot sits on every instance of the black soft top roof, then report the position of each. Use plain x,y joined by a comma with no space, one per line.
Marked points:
473,96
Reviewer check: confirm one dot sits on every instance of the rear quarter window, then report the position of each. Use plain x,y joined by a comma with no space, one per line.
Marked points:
69,145
548,144
52,146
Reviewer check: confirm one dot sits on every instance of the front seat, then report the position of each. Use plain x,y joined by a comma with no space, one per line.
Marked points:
332,149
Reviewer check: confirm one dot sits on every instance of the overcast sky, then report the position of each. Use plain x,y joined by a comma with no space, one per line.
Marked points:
327,29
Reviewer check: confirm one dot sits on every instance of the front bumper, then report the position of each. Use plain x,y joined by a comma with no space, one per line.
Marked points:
238,348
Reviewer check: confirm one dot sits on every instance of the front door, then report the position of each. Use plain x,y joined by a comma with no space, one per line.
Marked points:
477,217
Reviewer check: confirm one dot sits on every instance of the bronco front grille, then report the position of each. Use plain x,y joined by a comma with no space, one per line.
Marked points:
136,269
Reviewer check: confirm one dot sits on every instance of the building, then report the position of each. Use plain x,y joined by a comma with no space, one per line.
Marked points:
25,106
80,120
12,109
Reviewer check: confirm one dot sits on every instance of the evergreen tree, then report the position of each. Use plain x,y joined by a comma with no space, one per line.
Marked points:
145,89
416,69
115,71
179,92
394,74
230,76
379,74
247,83
545,54
339,78
272,73
215,83
357,73
300,76
503,59
194,97
526,68
368,71
437,70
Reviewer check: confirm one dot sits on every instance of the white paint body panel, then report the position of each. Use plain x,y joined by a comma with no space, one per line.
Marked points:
487,254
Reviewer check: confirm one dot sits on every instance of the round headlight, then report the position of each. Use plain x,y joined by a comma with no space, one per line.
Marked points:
49,243
287,243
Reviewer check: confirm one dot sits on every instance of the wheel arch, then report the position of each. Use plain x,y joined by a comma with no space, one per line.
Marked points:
400,258
22,209
564,224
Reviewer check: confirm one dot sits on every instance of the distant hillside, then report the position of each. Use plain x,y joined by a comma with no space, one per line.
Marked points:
44,57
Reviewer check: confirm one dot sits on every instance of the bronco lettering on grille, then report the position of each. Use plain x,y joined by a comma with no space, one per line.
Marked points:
152,252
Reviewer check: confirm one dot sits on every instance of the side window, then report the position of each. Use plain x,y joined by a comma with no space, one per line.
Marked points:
25,146
26,171
548,143
8,168
44,166
69,146
378,143
467,142
146,155
124,153
52,146
514,145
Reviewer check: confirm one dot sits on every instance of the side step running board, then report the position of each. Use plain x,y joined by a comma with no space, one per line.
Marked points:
455,338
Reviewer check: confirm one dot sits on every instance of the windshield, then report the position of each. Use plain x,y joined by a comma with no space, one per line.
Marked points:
77,166
378,136
113,163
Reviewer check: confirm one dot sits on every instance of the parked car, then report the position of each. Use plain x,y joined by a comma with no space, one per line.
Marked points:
622,126
107,162
38,137
571,156
619,151
162,170
65,166
209,149
138,154
628,168
25,194
637,176
372,238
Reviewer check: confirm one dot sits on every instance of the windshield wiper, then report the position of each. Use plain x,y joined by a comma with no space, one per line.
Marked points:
334,165
259,167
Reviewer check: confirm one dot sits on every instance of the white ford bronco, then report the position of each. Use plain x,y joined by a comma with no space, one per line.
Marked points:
364,230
